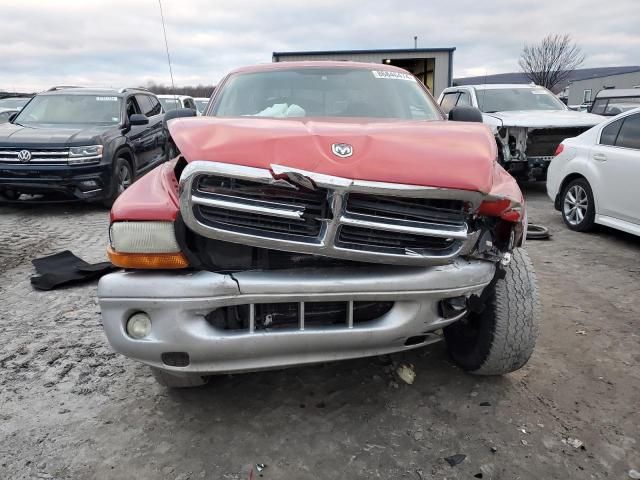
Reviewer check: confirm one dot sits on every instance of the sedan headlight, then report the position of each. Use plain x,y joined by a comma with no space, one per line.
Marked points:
145,245
85,154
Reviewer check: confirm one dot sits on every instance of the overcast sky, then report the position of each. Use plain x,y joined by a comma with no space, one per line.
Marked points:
117,43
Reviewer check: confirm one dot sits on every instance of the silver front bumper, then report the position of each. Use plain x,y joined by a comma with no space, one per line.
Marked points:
177,304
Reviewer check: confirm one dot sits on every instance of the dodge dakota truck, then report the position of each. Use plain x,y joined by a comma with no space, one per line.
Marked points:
320,211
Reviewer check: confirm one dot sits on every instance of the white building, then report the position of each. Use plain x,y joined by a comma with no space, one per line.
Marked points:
432,66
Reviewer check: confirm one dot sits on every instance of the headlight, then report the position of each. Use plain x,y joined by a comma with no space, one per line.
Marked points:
144,237
145,245
85,154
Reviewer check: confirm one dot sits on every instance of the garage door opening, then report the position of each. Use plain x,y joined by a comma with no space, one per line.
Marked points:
422,68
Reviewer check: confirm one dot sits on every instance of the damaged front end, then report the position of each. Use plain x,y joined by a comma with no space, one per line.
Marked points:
287,267
260,213
526,152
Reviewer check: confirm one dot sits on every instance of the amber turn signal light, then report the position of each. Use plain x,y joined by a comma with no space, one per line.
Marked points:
148,261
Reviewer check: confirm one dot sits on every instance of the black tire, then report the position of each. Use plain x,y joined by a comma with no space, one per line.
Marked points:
582,217
121,179
169,380
537,232
502,337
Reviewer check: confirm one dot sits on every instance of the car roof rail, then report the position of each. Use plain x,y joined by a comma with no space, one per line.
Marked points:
62,87
133,89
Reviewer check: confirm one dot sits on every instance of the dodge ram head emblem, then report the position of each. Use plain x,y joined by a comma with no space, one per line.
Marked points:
24,156
342,150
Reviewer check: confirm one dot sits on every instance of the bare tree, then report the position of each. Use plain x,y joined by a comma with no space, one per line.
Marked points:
550,62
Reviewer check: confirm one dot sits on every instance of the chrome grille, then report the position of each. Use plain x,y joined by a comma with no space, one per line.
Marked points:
305,212
39,156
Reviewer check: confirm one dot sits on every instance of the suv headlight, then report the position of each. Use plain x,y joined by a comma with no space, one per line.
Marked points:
85,154
145,245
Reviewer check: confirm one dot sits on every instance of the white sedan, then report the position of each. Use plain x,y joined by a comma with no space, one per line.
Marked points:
594,176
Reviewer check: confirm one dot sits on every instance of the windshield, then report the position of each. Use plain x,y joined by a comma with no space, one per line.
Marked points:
14,102
71,109
510,99
201,104
326,92
614,106
170,103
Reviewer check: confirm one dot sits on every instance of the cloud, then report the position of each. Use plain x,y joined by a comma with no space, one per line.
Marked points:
120,42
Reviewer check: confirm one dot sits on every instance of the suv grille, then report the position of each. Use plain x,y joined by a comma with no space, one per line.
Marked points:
330,216
38,156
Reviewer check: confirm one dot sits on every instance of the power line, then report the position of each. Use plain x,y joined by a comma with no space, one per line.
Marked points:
166,44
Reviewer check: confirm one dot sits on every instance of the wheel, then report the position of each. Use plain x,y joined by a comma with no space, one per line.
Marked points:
169,380
577,205
121,178
501,338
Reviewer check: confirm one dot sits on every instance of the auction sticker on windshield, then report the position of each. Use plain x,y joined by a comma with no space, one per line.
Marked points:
393,75
107,99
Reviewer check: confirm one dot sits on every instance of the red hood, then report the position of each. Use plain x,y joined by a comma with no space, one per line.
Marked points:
437,154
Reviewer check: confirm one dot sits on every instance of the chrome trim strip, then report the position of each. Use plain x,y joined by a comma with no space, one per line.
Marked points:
338,189
243,207
460,234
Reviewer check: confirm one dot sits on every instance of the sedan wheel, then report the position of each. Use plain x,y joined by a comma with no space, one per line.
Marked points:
578,209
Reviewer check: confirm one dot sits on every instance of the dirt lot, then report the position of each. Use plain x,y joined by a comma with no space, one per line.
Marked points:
70,408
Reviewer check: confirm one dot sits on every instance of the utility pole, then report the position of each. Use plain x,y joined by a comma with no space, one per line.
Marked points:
415,42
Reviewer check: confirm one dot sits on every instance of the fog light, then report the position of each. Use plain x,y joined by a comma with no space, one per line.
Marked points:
139,325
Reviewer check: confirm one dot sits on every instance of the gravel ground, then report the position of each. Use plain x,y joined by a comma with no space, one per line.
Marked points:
71,408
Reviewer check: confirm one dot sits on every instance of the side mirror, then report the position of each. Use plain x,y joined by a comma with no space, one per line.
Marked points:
179,113
465,114
13,116
138,119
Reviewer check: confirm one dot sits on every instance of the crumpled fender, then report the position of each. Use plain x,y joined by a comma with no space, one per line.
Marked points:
152,197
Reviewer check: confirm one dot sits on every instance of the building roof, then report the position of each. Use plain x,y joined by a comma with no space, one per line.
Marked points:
519,77
355,52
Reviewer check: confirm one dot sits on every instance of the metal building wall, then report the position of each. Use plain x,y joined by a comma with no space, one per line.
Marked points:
441,69
623,80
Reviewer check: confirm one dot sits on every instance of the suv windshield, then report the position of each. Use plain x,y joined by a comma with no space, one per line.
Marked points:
14,102
170,103
510,99
326,92
71,109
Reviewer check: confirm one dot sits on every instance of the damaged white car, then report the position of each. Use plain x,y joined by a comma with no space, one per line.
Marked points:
528,121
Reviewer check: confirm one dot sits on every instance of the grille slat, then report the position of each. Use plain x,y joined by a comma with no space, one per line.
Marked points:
362,238
39,156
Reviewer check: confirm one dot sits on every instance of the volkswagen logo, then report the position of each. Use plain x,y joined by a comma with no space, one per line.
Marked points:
24,156
342,150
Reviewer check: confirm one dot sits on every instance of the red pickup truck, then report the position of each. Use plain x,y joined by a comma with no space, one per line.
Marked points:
320,211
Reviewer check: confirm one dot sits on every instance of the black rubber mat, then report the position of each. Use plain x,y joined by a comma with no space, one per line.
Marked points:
64,268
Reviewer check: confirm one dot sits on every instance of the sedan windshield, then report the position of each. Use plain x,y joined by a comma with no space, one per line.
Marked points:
170,103
326,92
492,100
14,102
71,109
